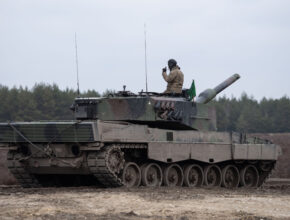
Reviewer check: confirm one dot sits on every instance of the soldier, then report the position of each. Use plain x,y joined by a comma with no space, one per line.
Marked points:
174,79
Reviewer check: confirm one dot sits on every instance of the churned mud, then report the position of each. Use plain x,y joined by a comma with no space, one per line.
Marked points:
272,201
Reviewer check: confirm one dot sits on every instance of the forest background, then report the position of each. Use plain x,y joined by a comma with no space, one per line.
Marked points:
49,102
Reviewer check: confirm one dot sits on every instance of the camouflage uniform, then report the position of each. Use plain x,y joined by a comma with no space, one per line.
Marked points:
174,80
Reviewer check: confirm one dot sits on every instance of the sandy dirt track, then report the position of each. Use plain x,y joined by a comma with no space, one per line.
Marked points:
270,202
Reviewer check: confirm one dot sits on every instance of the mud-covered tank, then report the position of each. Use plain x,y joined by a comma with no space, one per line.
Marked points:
148,139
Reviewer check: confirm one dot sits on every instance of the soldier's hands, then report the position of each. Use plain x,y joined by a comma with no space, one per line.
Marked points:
164,69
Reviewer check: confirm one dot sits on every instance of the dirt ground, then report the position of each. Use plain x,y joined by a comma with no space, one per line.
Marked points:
270,202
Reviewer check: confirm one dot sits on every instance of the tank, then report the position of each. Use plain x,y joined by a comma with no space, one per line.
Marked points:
128,139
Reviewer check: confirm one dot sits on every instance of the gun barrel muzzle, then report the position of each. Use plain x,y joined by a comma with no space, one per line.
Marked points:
226,83
209,94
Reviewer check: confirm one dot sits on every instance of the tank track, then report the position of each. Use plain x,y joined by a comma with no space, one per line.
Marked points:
99,165
264,175
18,169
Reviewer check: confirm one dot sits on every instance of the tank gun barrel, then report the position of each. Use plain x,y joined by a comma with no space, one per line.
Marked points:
209,94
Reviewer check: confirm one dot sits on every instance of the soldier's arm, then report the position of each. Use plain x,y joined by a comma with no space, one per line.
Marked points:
170,77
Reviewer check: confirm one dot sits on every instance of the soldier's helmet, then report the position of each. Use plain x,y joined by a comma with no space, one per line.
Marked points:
172,63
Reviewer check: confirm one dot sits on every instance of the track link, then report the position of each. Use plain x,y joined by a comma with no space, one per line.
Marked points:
18,169
264,175
99,166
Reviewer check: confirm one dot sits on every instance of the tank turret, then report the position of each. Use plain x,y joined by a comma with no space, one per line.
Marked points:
169,111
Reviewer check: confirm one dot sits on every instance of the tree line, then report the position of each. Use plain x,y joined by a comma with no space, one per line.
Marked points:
49,102
246,114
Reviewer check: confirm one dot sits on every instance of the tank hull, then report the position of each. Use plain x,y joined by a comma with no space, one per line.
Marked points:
121,153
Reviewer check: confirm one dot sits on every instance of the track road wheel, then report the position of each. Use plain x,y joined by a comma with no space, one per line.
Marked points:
230,176
249,176
131,176
151,175
212,176
193,175
173,175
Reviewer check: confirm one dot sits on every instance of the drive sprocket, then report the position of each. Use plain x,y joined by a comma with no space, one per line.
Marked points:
106,165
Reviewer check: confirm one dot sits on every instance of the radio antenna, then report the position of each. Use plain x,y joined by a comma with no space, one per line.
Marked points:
145,57
77,64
